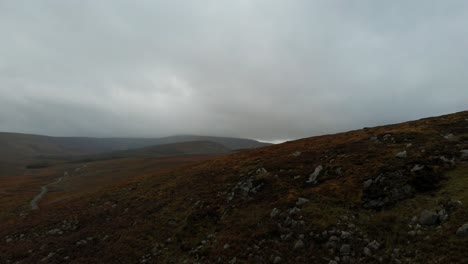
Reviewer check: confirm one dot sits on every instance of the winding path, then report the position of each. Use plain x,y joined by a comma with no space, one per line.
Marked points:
44,190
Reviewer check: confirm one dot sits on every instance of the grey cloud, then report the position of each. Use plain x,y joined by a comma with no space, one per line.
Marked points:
259,69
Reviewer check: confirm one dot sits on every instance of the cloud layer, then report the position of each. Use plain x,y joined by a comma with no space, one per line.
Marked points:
267,69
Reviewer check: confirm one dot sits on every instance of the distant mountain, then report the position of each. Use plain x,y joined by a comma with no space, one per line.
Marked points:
232,143
173,149
19,150
16,146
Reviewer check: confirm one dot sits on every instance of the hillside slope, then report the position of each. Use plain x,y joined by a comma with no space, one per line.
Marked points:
389,194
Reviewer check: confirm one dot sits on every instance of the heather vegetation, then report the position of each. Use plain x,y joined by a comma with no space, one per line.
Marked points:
389,194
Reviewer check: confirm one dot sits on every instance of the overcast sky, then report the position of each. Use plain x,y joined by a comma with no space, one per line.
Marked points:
267,70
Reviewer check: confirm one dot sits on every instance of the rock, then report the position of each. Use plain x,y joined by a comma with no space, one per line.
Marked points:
261,170
8,240
443,216
274,212
463,230
448,136
301,201
226,246
55,231
299,244
374,244
277,259
294,210
296,154
315,174
464,154
338,171
287,236
332,262
233,260
367,183
51,254
374,138
417,167
345,235
428,217
345,249
450,161
367,252
402,154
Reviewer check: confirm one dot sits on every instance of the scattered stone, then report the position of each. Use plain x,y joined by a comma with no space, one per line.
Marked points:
81,242
315,174
443,216
51,254
428,217
367,252
294,210
55,231
386,137
8,240
299,244
345,249
297,177
412,233
417,167
274,212
450,161
374,244
448,136
463,230
226,246
296,154
261,170
402,154
367,183
332,262
345,235
301,201
464,154
338,171
277,259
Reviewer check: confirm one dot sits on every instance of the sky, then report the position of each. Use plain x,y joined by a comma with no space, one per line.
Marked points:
265,69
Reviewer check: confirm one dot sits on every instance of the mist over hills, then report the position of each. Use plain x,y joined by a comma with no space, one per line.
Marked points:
18,150
14,145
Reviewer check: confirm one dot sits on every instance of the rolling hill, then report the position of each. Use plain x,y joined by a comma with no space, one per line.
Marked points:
18,150
164,150
388,194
